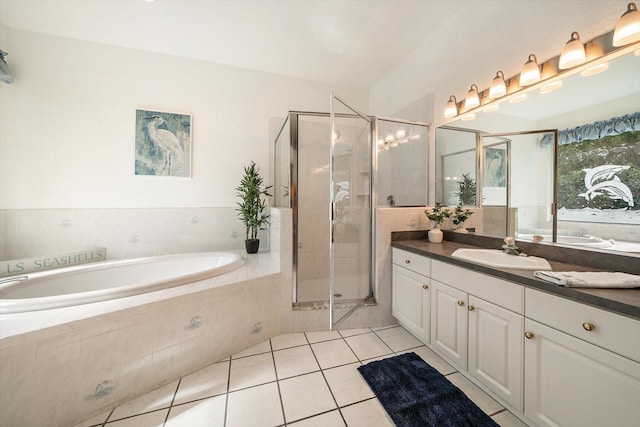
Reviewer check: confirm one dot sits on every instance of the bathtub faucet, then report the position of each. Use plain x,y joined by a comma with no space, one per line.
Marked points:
14,279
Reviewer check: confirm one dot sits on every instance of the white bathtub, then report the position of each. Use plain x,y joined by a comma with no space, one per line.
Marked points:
96,356
108,280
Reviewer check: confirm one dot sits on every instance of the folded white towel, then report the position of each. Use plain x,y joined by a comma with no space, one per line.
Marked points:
591,279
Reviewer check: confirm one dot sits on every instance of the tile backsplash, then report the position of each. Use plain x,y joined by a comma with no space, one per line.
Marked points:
126,233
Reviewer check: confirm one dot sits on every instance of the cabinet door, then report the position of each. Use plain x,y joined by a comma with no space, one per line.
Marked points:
496,348
569,382
449,322
410,301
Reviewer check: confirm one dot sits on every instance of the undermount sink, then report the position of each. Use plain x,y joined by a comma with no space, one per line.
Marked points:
497,258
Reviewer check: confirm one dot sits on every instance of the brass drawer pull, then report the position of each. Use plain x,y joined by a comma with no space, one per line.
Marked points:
471,308
425,286
528,335
407,261
460,303
588,326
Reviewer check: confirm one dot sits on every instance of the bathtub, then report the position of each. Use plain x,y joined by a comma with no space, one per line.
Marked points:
61,366
106,280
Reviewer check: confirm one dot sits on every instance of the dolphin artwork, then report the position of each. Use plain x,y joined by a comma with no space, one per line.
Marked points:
614,188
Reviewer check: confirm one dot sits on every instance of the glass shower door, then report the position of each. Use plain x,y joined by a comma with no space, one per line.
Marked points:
350,210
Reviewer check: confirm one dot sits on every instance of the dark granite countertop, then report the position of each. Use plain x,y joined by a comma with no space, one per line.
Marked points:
621,301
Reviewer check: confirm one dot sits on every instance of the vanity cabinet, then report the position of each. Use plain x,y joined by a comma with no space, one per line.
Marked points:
481,337
496,349
581,364
556,361
411,292
449,322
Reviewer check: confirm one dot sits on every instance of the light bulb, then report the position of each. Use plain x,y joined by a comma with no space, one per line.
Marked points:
451,110
573,53
628,28
530,72
498,87
472,100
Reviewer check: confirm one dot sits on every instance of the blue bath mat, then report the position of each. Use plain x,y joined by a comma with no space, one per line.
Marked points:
416,395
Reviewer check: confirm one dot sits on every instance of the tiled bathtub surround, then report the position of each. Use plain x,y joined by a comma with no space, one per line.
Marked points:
60,366
126,233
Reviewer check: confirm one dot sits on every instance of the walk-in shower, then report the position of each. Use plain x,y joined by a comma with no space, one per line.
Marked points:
325,170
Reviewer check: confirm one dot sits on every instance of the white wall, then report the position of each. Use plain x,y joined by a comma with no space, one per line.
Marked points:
67,131
68,120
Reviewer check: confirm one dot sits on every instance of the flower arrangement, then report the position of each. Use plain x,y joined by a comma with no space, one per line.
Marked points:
460,215
437,215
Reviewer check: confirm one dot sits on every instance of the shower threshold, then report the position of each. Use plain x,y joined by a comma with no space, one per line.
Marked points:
324,305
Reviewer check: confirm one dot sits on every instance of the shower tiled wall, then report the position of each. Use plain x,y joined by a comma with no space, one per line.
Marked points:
126,233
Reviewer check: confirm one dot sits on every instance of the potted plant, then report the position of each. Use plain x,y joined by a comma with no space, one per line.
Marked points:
459,216
467,189
436,216
252,205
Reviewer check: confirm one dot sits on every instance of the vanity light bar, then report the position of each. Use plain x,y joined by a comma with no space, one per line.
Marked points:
588,59
598,52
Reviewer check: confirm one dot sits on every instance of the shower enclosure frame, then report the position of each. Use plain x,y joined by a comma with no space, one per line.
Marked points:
292,123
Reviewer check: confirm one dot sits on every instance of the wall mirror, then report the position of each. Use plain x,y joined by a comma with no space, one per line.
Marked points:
401,162
597,178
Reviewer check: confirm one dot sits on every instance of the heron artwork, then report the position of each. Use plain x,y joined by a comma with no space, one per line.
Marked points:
162,144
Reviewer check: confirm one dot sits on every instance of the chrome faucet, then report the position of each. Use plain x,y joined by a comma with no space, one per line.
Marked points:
510,247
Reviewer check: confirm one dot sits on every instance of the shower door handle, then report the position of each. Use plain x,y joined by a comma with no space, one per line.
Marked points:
332,219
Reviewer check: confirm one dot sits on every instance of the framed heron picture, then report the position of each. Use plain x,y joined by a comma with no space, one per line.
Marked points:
163,144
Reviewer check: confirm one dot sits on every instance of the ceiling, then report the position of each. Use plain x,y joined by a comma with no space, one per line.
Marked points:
349,43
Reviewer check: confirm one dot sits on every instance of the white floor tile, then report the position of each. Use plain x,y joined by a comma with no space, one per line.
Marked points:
367,346
250,371
203,413
432,359
255,406
351,332
347,385
152,419
263,347
305,396
366,414
154,400
97,420
288,340
479,397
330,419
295,361
398,339
333,353
379,328
206,382
507,419
320,336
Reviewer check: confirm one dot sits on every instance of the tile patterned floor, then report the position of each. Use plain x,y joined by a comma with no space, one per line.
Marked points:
299,380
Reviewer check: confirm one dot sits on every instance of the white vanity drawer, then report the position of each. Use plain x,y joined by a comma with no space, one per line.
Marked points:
499,292
612,331
414,262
